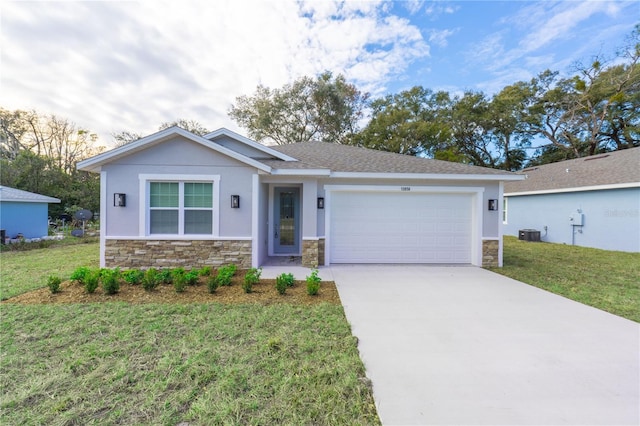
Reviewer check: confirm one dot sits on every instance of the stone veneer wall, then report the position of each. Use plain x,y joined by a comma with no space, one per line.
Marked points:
490,253
174,253
312,253
321,251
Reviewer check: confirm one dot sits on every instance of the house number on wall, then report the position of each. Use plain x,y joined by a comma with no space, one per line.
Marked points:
405,188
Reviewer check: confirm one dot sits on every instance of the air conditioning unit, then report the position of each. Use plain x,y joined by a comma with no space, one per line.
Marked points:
529,235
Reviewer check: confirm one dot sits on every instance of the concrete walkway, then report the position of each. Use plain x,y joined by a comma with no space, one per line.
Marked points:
465,346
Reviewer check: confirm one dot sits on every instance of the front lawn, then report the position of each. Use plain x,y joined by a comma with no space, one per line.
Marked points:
198,363
607,280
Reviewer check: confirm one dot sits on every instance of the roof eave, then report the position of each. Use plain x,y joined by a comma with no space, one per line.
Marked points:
429,176
301,172
575,189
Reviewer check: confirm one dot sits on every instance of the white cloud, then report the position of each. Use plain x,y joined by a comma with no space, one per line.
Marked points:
111,66
439,37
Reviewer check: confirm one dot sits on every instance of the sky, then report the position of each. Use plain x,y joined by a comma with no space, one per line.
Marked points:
111,66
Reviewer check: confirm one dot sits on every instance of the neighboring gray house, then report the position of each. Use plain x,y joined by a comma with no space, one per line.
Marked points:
591,201
24,213
175,198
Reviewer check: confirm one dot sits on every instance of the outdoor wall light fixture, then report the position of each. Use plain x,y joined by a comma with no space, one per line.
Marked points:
235,201
493,205
320,202
119,200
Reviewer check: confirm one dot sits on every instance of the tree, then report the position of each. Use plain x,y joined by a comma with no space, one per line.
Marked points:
503,122
125,137
324,109
192,126
410,122
40,153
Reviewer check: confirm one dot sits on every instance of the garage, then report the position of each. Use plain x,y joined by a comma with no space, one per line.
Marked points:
400,227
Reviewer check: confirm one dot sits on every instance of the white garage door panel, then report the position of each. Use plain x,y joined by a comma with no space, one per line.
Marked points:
382,227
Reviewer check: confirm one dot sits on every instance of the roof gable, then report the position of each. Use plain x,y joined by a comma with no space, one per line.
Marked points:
95,163
253,149
617,168
18,195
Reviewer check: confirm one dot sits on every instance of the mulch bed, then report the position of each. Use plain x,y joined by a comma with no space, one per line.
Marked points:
263,293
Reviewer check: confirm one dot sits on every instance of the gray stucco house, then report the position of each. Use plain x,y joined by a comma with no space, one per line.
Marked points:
592,201
24,213
175,198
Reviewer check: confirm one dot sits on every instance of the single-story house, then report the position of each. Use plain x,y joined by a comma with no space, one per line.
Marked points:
24,213
176,198
591,201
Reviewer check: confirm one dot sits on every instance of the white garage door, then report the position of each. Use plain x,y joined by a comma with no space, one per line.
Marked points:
400,227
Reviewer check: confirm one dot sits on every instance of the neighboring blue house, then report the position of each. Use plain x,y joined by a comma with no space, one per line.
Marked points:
23,212
591,201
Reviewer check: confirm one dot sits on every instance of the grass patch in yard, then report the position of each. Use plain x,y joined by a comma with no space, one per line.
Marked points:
204,364
24,271
607,280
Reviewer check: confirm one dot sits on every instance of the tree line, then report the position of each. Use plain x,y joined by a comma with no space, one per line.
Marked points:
546,119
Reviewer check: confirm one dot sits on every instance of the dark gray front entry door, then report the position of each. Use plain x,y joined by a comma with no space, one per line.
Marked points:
286,214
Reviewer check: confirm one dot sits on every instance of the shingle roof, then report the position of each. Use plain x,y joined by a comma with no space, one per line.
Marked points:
618,167
13,194
347,158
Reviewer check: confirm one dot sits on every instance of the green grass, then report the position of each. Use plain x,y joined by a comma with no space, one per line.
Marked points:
159,364
23,271
607,280
165,364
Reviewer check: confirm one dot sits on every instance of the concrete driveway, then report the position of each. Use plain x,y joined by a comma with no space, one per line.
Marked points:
465,346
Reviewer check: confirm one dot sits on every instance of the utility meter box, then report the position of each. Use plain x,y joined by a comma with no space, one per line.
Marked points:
576,219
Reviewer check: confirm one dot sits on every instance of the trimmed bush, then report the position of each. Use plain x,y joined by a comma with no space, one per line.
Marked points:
165,276
54,284
313,283
205,271
110,280
212,284
251,277
179,282
283,281
133,276
191,278
225,274
91,281
80,274
150,280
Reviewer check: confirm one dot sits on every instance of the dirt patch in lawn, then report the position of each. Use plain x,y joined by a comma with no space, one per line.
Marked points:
264,293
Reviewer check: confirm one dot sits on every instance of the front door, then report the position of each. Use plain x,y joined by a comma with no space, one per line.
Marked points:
286,215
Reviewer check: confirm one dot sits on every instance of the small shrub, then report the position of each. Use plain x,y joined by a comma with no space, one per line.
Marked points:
80,274
283,281
212,284
91,281
205,271
133,276
179,282
110,280
166,275
251,277
150,280
54,284
225,274
313,283
191,277
229,269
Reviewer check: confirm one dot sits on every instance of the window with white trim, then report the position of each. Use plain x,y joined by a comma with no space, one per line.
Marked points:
180,208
